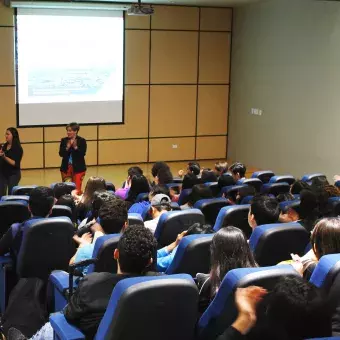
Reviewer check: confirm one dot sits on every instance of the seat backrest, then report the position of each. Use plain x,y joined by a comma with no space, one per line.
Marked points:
264,176
23,190
173,223
192,255
247,199
71,186
285,206
210,208
184,196
143,196
215,189
280,179
232,190
275,188
47,245
309,177
326,271
110,186
134,218
177,180
235,216
253,182
62,210
12,212
169,301
334,206
15,198
103,252
273,243
222,312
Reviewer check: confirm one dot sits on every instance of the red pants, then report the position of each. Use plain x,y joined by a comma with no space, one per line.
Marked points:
76,178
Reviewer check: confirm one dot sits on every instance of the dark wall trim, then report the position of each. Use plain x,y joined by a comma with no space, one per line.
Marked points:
7,85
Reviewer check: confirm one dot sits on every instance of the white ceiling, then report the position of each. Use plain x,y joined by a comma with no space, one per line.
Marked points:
222,3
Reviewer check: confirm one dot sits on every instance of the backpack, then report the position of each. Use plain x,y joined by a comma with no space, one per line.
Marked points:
26,310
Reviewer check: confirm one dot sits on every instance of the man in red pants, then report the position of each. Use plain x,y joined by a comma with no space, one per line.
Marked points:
73,150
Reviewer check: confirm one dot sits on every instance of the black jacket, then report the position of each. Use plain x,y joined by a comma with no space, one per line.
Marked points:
78,156
15,153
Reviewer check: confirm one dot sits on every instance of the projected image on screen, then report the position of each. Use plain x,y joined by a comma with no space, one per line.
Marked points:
70,66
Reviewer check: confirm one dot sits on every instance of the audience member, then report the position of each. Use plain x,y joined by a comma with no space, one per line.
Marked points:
132,171
85,201
112,219
208,176
225,180
332,191
61,189
298,186
263,210
166,255
159,205
144,206
294,310
229,250
243,193
189,180
157,166
86,308
285,197
238,171
325,240
192,168
220,168
199,192
68,201
164,177
40,206
139,185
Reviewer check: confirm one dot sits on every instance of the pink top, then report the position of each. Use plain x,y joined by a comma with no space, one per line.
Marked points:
122,193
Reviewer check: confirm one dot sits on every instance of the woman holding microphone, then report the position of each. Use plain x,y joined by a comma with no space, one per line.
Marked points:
73,150
10,158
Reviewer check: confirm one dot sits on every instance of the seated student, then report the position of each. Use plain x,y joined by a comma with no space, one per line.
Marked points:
132,171
229,250
225,181
306,213
263,210
142,207
159,205
68,201
325,240
84,202
294,310
298,186
193,168
285,197
166,255
220,168
113,219
332,191
238,171
157,166
40,205
139,185
164,176
189,180
61,189
207,176
242,193
199,192
88,304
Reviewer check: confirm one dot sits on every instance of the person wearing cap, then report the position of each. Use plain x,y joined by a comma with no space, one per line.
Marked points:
160,204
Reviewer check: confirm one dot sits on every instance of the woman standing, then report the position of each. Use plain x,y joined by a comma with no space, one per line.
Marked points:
73,150
11,154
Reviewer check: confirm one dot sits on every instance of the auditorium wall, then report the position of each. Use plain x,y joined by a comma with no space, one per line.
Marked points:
286,61
177,66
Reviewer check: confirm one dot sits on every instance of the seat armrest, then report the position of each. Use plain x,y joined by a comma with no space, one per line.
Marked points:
63,330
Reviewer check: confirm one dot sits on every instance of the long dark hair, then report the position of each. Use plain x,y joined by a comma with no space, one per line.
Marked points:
229,250
139,185
16,138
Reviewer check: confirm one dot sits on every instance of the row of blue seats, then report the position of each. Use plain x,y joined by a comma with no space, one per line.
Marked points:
177,295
